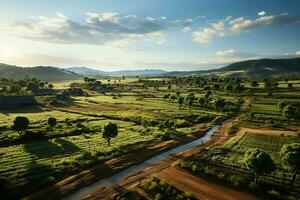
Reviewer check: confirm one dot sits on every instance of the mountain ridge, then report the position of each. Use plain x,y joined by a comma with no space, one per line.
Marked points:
260,68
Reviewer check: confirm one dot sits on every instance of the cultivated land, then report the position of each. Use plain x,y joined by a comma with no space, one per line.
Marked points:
150,118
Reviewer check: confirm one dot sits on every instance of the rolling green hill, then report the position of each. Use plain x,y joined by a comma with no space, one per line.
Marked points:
40,72
251,69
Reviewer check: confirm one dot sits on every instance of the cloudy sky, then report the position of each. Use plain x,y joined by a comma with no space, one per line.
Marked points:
138,34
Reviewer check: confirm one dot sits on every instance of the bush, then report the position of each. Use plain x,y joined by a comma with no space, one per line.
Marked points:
205,118
274,194
181,123
233,130
162,190
158,196
195,168
254,187
237,180
221,176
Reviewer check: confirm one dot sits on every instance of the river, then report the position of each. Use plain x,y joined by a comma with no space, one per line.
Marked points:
112,180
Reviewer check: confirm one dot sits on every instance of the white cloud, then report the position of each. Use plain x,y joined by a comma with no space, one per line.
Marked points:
261,13
230,26
96,28
233,53
298,53
205,36
241,24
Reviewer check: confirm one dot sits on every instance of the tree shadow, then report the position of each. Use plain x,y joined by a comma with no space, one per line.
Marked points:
33,179
48,149
20,109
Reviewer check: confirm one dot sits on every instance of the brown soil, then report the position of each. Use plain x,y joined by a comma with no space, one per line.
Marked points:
267,132
201,189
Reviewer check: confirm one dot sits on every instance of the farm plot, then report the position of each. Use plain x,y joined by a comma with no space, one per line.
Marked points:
270,144
40,163
67,124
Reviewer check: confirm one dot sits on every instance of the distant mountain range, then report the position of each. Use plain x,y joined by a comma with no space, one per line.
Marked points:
261,68
93,72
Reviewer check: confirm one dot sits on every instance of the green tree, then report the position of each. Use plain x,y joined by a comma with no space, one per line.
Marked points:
258,162
166,96
180,101
31,86
289,112
201,101
282,104
190,102
52,122
254,84
50,86
220,104
290,156
42,84
229,88
110,130
20,124
207,94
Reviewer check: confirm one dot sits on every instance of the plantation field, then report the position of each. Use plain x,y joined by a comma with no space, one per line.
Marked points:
267,143
42,162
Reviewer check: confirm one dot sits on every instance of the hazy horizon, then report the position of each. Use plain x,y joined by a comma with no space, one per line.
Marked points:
173,36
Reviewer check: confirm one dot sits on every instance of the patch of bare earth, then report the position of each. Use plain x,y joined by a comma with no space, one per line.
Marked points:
202,189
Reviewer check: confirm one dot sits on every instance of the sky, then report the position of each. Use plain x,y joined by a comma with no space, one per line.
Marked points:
154,34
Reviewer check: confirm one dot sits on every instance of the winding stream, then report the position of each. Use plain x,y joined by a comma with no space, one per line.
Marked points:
154,160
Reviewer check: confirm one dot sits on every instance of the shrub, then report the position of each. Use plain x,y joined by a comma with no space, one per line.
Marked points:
158,196
254,187
180,123
233,130
221,176
205,118
274,194
194,168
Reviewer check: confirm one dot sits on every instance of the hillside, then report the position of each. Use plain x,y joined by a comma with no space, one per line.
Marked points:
93,72
251,69
87,71
146,72
40,72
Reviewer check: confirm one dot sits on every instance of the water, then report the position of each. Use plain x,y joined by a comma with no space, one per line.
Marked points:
154,160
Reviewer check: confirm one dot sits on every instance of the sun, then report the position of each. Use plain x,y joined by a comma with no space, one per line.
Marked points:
6,52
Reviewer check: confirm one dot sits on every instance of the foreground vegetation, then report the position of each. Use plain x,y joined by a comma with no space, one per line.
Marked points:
159,190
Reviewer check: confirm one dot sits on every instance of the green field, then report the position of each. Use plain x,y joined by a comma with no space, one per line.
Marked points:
268,143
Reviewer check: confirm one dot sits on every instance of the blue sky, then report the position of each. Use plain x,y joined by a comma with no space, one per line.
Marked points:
126,34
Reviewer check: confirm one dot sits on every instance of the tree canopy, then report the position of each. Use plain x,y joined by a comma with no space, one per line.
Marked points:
258,162
20,124
110,130
290,156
